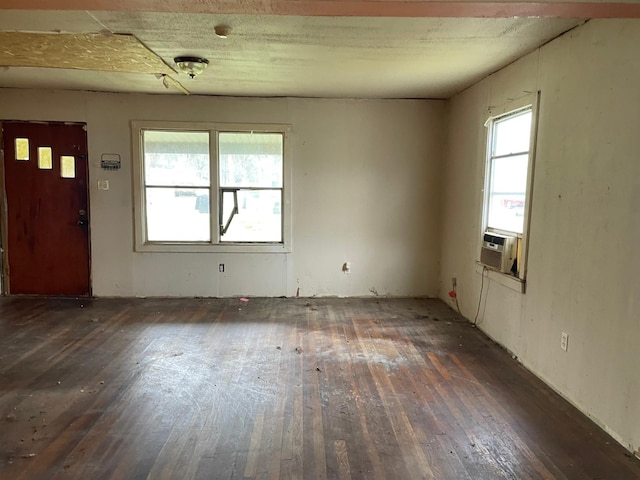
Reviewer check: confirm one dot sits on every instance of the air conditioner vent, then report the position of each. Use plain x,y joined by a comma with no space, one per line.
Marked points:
498,251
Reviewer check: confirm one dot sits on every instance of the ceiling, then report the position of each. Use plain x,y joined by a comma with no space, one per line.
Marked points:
312,55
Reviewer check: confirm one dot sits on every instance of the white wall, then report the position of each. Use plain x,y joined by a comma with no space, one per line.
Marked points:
366,187
584,264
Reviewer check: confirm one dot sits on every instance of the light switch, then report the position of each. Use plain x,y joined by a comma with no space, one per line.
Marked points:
103,184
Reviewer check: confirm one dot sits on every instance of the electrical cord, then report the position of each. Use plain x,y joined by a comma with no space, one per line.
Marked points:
475,320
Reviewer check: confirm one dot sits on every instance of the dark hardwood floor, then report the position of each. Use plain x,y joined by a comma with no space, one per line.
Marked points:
278,388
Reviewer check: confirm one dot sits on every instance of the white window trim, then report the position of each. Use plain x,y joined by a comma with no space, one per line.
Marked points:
531,100
142,245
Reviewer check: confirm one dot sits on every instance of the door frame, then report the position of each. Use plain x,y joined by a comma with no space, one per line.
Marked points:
5,278
4,239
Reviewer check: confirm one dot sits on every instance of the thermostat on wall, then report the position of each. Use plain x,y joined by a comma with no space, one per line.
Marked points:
110,161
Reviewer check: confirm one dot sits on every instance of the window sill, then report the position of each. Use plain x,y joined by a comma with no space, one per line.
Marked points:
503,279
212,248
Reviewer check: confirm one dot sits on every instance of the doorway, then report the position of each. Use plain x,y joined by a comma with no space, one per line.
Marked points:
46,219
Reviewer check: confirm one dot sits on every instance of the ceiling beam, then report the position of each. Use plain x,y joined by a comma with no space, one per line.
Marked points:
348,8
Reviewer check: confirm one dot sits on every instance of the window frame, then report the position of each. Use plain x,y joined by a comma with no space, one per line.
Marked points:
142,244
528,102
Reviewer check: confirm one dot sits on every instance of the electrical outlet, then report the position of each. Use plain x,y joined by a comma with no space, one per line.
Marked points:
221,268
346,267
564,341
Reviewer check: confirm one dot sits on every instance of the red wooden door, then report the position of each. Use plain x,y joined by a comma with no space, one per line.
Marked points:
45,167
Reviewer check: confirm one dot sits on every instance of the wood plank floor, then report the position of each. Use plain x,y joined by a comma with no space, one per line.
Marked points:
277,389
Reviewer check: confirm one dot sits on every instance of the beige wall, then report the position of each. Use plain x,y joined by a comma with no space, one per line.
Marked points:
366,186
367,189
584,263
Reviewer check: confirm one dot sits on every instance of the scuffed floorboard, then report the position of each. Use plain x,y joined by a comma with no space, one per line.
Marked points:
278,388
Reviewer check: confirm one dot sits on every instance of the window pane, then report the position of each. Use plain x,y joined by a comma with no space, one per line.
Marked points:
45,158
22,149
250,159
177,215
67,166
176,158
259,217
511,135
509,174
507,193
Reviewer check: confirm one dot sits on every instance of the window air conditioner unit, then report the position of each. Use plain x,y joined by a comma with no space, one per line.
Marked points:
498,251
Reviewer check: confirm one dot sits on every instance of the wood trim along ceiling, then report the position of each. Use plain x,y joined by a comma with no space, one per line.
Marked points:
362,8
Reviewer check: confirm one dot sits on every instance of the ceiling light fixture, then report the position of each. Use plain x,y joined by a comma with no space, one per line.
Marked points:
192,66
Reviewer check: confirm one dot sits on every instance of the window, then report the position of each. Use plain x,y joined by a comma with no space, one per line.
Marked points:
509,175
211,187
177,186
22,149
508,165
45,158
250,173
67,166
